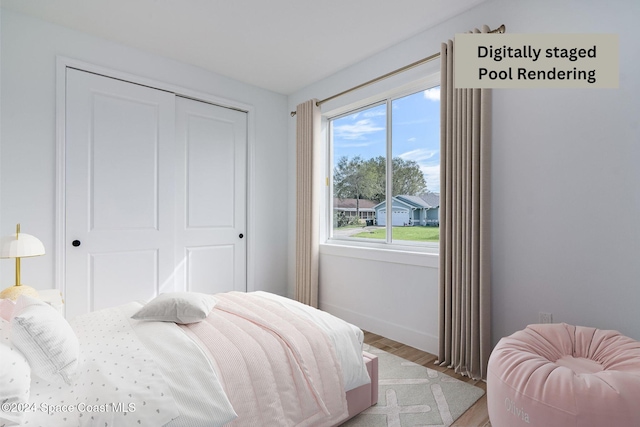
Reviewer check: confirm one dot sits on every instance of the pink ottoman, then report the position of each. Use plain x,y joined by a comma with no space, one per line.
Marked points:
562,375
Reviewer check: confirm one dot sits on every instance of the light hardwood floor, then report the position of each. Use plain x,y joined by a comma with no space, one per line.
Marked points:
476,416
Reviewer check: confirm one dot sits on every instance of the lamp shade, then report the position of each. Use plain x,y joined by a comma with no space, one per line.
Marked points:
20,245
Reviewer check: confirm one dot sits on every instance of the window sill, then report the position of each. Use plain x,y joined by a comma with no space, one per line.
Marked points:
416,256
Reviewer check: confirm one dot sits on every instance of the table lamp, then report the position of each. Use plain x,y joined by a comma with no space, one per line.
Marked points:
19,245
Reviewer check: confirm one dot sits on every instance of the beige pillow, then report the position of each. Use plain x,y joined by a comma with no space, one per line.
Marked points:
178,307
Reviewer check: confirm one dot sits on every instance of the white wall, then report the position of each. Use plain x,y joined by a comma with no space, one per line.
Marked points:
1,275
29,49
560,158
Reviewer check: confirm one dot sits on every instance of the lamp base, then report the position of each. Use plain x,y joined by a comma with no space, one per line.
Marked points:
14,292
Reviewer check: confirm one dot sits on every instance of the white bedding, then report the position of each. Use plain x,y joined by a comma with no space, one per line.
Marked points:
153,373
125,381
201,400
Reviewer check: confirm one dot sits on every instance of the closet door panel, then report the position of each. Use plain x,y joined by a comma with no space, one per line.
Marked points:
155,194
210,153
120,277
124,164
203,268
119,192
211,197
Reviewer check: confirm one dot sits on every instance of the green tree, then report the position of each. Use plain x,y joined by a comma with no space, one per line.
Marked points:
407,177
377,173
359,179
351,180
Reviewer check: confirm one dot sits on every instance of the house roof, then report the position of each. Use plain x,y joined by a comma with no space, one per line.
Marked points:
414,200
396,202
432,199
351,203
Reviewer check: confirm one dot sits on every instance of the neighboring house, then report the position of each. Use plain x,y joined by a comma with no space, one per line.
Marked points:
433,213
348,207
411,210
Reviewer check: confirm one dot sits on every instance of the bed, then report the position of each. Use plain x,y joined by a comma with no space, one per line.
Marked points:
183,359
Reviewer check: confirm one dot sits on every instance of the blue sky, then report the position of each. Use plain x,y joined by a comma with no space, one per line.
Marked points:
415,133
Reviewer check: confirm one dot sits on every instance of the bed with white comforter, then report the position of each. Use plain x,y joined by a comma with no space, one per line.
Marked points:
255,359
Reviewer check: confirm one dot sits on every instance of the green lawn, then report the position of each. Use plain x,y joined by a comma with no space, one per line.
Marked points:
420,234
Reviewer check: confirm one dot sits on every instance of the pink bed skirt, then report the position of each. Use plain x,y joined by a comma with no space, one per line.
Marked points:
366,395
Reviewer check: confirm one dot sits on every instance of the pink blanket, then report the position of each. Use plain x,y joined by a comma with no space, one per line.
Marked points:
276,368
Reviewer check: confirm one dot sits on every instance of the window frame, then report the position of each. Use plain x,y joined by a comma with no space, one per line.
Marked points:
386,97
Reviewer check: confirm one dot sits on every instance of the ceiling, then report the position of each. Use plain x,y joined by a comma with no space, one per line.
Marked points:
279,45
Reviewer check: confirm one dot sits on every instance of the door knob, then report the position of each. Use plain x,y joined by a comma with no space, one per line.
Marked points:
241,235
76,243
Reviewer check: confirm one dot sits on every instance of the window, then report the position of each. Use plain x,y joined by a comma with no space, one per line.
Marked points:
387,154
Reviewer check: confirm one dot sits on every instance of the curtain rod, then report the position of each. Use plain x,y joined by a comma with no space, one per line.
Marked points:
501,29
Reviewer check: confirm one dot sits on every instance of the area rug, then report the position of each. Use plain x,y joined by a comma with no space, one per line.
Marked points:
411,395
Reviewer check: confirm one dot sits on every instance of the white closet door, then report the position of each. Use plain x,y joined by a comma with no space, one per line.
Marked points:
211,174
120,198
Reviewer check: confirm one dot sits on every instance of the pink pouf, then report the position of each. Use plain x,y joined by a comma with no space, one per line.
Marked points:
561,375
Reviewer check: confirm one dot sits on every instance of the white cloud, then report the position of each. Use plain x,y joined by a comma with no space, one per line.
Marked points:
429,166
412,139
432,176
357,130
419,155
374,113
432,94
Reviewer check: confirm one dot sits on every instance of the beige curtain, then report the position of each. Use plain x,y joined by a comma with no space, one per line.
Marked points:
307,201
465,323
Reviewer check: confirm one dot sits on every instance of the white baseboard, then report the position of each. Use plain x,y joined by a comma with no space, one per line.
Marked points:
412,337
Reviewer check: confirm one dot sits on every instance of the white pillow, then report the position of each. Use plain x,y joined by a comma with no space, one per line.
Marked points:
178,307
46,339
15,378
